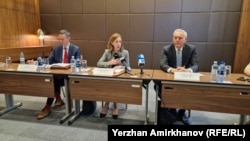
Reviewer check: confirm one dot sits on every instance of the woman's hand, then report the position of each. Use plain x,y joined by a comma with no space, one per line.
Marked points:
114,62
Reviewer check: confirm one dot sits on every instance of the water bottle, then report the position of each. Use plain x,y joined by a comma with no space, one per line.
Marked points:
22,58
73,64
221,72
214,71
39,64
78,64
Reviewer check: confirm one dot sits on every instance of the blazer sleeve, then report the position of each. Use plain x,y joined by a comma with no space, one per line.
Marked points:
102,62
194,61
56,55
167,58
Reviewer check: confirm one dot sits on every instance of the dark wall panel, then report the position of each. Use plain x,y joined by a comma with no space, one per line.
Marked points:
141,28
116,23
196,24
146,26
163,27
94,27
93,6
223,27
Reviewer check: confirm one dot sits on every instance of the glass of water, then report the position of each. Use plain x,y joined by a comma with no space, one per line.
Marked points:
84,65
228,73
46,64
8,62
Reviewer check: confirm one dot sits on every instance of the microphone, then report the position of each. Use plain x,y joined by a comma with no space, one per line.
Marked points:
141,61
123,61
116,55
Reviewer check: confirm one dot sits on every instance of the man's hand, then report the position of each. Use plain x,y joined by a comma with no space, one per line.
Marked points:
31,62
179,69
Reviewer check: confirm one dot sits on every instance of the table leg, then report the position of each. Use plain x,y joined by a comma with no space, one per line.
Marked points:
76,113
68,102
156,104
9,102
146,107
242,119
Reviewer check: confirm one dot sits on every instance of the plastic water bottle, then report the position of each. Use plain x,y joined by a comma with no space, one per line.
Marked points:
214,71
39,64
73,64
78,64
22,58
221,72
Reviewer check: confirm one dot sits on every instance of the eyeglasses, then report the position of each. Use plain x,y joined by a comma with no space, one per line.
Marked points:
243,79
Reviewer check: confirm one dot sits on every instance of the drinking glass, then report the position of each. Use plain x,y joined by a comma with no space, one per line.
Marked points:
46,64
84,65
228,73
8,62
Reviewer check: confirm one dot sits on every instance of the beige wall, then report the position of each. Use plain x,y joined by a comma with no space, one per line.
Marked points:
19,21
146,26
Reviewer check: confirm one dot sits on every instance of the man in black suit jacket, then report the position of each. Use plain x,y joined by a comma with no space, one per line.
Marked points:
58,56
188,63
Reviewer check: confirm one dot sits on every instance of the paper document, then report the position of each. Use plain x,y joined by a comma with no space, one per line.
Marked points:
103,71
187,76
107,71
60,66
27,67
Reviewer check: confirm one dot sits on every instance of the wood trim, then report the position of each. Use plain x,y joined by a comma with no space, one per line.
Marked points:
242,57
29,52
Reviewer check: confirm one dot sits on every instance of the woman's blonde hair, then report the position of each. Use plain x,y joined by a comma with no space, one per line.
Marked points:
113,37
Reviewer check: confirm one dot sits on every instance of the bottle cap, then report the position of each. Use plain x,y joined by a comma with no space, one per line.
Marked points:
222,62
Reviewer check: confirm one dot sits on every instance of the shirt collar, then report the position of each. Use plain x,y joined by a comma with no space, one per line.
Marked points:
176,49
67,47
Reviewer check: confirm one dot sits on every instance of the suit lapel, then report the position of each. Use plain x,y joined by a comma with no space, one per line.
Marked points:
61,53
174,55
185,55
70,51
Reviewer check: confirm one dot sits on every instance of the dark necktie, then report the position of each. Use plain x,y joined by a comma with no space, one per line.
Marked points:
65,58
178,58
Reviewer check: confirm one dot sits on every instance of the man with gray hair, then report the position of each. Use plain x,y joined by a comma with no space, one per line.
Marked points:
178,57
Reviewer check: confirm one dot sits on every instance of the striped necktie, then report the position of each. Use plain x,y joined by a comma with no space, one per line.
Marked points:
178,58
65,57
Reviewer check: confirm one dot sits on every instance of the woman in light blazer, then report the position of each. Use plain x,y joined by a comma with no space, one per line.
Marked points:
115,56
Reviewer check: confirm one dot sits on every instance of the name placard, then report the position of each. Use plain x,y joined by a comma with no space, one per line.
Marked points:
27,67
103,71
187,76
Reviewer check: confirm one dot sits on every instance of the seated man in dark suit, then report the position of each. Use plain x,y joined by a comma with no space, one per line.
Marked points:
60,54
179,57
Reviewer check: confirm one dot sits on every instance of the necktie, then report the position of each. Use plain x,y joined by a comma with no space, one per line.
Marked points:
65,57
178,58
